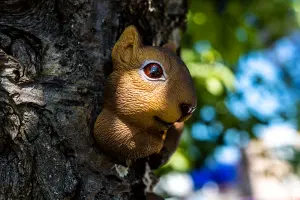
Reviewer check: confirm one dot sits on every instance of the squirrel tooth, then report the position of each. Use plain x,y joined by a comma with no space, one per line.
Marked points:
149,91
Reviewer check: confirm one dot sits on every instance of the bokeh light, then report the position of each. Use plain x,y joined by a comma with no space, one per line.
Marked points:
244,60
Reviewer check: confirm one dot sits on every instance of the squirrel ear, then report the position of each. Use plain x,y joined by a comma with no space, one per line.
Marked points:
127,45
171,46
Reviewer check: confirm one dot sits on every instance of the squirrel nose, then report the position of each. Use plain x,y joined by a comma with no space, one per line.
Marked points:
186,111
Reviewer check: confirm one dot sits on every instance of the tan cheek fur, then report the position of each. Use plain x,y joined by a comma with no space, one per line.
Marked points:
136,143
137,99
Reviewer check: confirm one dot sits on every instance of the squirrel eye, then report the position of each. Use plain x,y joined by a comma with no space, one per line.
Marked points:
153,70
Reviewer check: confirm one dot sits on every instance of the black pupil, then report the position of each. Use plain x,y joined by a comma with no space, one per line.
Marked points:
155,72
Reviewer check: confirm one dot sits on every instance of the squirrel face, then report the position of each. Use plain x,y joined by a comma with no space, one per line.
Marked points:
149,89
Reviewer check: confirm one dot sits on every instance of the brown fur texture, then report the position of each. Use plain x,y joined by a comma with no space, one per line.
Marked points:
127,127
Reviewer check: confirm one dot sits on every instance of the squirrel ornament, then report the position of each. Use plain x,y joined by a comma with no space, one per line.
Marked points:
147,98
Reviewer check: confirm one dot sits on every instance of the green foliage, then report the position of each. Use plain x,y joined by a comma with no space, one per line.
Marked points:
241,25
218,33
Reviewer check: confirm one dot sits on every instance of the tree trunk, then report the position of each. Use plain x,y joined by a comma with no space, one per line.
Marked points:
54,58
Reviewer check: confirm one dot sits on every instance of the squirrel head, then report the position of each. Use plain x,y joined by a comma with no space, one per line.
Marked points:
152,86
149,89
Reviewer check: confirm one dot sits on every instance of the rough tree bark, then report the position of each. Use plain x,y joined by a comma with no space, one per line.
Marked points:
54,57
